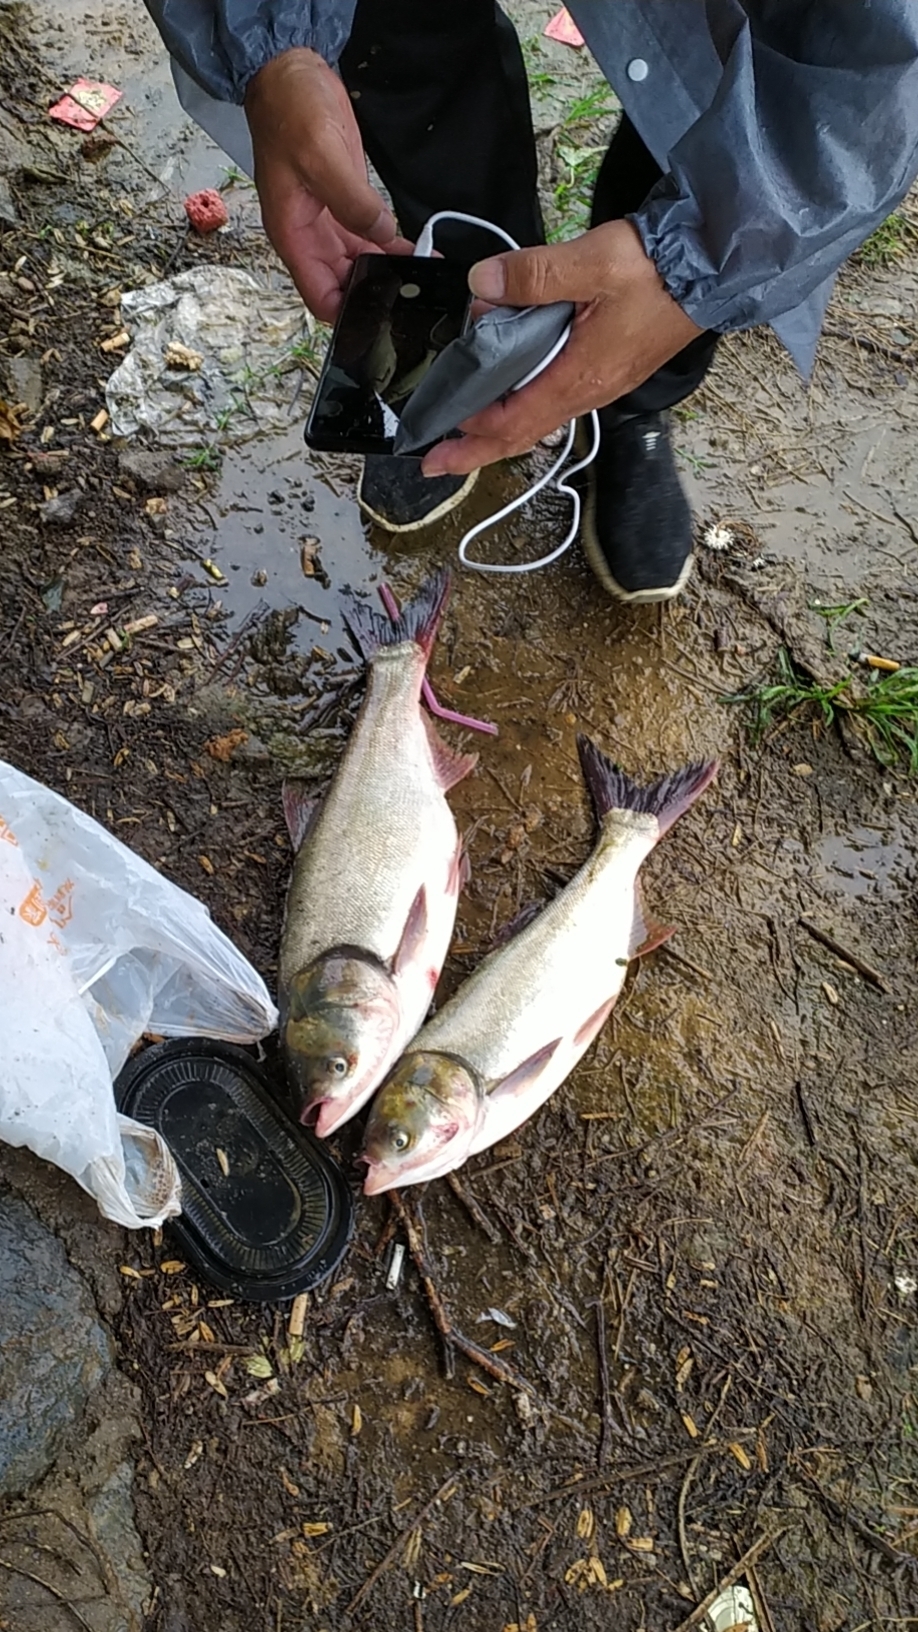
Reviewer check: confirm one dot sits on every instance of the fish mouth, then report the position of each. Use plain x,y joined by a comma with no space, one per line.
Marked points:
325,1115
313,1115
378,1178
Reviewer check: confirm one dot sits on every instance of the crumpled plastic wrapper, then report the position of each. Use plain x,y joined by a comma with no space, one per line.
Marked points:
97,948
245,381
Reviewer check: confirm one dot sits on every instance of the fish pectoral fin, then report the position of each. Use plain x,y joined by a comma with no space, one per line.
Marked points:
647,933
516,924
413,933
300,810
525,1074
592,1027
460,871
449,766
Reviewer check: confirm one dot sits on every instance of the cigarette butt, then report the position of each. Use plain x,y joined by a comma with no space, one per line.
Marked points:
101,420
298,1315
887,664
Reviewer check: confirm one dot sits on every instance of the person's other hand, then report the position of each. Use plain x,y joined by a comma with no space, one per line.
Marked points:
625,328
317,206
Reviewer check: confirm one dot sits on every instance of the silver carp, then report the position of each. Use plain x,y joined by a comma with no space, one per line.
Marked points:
514,1030
375,885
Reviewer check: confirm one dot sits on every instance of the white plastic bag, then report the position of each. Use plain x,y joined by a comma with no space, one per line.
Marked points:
244,337
95,949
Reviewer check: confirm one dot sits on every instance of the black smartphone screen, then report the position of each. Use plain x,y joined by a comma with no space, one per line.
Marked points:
398,314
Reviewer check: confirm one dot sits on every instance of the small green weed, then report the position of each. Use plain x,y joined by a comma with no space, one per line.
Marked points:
886,707
234,177
837,614
573,194
577,159
892,239
541,80
594,104
203,458
696,462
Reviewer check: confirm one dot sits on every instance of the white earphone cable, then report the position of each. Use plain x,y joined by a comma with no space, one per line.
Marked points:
424,248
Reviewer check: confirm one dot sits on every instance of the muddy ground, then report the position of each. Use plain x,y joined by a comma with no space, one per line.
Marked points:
703,1254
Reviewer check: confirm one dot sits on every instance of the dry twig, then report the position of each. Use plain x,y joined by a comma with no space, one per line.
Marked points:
856,962
446,1490
450,1334
730,1579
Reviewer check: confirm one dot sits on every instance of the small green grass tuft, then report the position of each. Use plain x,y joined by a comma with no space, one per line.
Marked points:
892,239
203,459
577,156
837,614
884,706
542,80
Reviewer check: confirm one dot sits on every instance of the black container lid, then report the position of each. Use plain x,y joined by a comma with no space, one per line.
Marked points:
266,1211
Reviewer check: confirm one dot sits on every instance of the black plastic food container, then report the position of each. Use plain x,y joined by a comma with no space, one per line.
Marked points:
266,1211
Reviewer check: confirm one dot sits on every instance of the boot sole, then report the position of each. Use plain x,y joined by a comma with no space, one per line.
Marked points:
436,514
599,566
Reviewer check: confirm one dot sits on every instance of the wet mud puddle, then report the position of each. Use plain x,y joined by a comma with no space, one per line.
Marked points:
287,537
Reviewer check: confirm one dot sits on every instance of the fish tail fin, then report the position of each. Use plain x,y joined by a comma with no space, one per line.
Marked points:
668,798
418,620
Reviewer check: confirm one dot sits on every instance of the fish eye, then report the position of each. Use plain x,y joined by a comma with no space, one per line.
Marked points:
400,1139
337,1066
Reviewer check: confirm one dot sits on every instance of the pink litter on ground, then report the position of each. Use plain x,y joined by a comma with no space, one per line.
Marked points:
563,29
86,102
206,211
448,714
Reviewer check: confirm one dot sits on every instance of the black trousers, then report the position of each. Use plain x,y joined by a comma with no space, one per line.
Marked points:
440,93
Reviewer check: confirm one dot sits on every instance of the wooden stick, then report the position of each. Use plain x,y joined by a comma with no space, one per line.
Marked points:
730,1579
473,1208
616,1476
873,975
442,1495
450,1334
605,1391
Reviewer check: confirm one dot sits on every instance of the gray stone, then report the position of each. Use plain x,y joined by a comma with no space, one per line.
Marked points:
158,472
60,511
76,1532
8,213
55,1352
24,381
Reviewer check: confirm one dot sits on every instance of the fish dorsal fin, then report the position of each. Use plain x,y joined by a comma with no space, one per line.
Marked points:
646,933
594,1025
449,766
413,933
524,1075
300,810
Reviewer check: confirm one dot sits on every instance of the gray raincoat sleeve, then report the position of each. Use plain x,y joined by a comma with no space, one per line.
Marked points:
810,141
221,44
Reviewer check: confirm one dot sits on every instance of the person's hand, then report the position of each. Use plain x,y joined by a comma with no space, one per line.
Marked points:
317,206
625,328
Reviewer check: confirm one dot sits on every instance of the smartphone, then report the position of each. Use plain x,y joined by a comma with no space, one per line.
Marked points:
398,313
